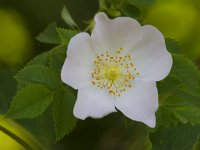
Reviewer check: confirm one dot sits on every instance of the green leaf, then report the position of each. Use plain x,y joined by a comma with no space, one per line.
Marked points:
197,145
114,2
67,17
168,87
139,140
49,35
165,117
53,59
42,126
7,88
38,75
113,12
63,113
181,137
172,46
131,11
141,2
103,4
179,93
30,102
187,73
66,35
188,113
57,57
185,107
41,59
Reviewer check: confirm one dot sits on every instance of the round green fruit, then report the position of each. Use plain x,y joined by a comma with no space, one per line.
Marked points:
15,40
174,19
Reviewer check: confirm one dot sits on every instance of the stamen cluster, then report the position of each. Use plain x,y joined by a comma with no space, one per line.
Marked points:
114,72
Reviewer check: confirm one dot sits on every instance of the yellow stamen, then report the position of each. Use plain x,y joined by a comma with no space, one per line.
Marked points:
111,74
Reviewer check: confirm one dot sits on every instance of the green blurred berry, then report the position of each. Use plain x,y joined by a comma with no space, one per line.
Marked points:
15,41
174,19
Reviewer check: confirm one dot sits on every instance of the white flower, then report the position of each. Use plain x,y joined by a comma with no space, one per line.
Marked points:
117,68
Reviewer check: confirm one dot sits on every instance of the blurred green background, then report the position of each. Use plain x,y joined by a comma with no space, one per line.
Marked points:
21,21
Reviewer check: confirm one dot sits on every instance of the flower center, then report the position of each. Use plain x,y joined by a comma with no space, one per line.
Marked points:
114,72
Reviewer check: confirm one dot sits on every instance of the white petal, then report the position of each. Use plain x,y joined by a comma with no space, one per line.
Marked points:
79,62
93,102
121,32
81,49
75,75
140,102
150,55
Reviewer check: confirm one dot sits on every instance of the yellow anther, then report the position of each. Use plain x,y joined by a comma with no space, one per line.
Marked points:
112,72
132,65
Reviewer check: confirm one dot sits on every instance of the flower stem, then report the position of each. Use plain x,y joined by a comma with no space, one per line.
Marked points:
19,134
16,138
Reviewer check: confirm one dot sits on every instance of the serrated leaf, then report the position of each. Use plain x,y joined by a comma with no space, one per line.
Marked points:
181,137
179,93
168,87
38,75
188,113
41,59
172,45
67,17
49,35
185,107
30,102
63,113
165,117
53,59
187,73
42,125
57,57
66,35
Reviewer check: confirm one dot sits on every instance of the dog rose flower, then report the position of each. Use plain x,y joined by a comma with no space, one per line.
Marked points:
116,68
